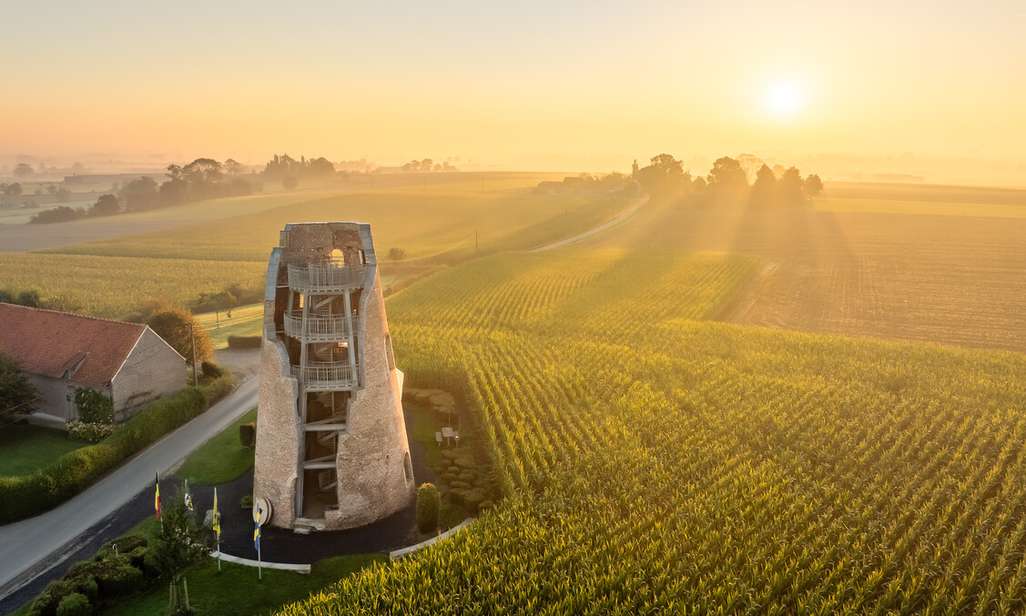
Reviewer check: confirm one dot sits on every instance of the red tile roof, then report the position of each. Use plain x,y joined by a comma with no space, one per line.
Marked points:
51,343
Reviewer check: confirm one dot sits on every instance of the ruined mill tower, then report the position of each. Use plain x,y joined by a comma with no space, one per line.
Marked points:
331,449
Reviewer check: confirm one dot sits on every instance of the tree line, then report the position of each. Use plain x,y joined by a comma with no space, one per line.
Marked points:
203,178
727,181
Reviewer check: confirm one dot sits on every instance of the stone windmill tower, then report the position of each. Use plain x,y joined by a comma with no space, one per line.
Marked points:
331,449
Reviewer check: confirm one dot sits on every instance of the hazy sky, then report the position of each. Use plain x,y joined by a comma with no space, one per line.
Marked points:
523,85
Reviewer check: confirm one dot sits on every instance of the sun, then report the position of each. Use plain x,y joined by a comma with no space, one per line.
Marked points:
784,100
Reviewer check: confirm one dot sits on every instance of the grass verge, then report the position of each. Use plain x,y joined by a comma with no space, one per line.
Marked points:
222,458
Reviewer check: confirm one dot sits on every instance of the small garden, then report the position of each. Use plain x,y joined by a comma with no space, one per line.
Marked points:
34,492
464,480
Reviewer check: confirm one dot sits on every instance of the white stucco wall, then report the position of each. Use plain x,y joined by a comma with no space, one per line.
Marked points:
53,396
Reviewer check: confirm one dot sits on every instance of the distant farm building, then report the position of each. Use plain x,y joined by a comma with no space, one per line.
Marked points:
62,352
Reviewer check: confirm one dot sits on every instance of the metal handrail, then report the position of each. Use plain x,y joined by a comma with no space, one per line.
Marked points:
326,375
318,327
329,274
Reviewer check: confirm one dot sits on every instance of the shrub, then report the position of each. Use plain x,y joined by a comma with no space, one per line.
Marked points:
93,406
91,432
87,586
427,508
396,254
75,604
47,602
218,388
247,434
117,576
244,342
211,370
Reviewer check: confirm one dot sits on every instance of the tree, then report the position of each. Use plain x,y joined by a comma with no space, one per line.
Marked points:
178,328
321,167
173,191
141,194
813,185
106,205
664,175
727,176
180,543
23,170
290,182
396,254
17,393
233,167
764,190
790,187
12,190
61,213
203,171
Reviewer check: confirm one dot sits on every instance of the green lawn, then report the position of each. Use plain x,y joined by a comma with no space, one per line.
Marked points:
221,459
236,590
25,448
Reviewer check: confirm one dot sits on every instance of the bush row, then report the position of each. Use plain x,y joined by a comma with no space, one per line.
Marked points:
23,496
111,573
244,342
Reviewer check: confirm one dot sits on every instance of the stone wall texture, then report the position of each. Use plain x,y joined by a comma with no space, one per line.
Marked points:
153,369
374,474
278,433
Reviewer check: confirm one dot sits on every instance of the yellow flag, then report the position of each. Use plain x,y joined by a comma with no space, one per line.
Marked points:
215,518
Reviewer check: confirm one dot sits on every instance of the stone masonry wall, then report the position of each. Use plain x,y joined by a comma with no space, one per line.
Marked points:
278,433
372,454
153,369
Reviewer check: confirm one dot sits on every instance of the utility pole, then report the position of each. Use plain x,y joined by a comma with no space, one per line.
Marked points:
192,339
475,241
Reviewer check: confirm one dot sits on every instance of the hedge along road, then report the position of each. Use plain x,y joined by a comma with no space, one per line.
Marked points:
30,547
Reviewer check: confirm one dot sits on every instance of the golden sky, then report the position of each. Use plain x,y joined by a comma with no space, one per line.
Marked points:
936,88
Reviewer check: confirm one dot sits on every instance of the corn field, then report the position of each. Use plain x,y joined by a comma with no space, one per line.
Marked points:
653,461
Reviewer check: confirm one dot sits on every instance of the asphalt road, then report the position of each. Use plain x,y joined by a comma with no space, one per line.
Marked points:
31,547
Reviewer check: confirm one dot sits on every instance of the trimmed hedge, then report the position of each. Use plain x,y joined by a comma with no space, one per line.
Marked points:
23,496
244,342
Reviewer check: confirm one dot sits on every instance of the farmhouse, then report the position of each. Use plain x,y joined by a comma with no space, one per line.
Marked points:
62,352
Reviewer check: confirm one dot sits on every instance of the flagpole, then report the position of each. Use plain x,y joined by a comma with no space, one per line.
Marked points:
217,533
156,500
260,564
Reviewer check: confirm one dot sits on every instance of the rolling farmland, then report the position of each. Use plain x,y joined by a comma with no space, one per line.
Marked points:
656,461
433,220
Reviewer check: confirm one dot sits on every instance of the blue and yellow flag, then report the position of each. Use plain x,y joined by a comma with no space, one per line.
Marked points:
256,538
